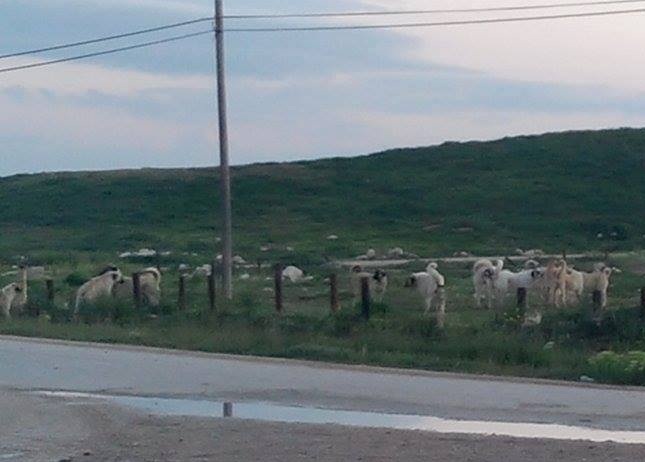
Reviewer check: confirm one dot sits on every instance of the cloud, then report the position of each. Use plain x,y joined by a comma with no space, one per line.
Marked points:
587,51
81,78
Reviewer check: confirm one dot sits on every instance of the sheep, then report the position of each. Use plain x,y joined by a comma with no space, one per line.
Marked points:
483,271
149,283
578,282
379,285
554,283
378,282
21,298
7,296
97,287
430,286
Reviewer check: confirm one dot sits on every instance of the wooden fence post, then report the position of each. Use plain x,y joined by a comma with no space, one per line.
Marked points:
643,303
522,299
333,287
50,290
366,300
277,278
182,299
136,290
212,289
597,304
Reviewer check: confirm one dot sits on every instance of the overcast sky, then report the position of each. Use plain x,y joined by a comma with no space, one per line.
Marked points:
304,95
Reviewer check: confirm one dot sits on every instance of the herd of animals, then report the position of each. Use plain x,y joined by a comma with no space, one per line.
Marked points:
558,284
108,283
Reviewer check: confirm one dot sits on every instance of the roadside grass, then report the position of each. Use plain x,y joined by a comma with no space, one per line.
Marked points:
397,335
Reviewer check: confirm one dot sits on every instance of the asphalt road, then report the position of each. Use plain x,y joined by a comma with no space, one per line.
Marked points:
27,365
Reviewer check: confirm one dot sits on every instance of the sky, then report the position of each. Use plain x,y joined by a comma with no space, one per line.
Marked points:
304,95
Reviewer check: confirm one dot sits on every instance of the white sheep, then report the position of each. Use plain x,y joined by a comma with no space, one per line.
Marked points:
7,296
97,287
149,283
580,282
378,282
21,298
379,285
483,271
430,286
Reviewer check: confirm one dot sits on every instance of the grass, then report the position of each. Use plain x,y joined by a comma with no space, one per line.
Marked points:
556,192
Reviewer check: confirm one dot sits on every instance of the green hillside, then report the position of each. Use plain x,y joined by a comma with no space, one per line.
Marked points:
556,191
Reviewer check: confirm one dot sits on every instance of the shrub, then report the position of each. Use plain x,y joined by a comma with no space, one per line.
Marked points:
625,369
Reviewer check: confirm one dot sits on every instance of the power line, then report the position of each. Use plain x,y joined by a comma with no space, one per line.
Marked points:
106,52
105,39
438,24
316,28
433,11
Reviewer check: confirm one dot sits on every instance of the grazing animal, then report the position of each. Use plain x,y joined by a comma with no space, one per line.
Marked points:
378,283
483,272
7,296
430,285
20,301
97,287
578,282
150,285
554,283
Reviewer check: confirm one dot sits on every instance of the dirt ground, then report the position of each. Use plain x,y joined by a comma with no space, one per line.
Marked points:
35,429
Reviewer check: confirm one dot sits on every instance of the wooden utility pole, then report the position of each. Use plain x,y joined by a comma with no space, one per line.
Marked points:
224,168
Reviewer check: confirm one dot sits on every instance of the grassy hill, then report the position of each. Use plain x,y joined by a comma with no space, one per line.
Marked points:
554,191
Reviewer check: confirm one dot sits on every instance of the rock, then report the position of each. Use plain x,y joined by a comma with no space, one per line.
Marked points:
548,346
370,254
293,273
332,237
586,379
265,248
245,277
238,260
395,253
204,270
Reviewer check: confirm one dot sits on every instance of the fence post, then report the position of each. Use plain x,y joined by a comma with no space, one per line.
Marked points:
333,287
182,302
277,278
366,300
597,304
50,290
136,289
643,303
212,289
522,298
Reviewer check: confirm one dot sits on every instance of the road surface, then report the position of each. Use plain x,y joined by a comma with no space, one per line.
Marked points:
30,365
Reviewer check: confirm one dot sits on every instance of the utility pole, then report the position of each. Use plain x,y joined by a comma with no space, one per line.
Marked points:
224,169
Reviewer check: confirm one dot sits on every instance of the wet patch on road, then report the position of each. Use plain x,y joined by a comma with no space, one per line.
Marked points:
308,415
